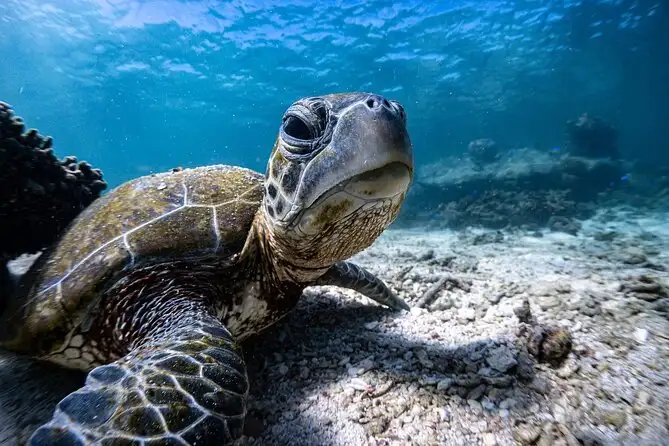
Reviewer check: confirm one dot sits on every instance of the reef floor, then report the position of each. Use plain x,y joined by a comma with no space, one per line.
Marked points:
514,337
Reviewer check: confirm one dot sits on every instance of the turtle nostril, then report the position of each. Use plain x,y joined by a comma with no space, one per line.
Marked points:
375,102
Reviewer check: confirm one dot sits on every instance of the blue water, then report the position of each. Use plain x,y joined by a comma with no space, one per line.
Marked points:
139,86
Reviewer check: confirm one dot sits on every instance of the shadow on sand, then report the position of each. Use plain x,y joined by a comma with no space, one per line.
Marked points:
325,335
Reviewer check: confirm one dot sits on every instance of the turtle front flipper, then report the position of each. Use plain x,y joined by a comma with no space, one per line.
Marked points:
186,385
349,275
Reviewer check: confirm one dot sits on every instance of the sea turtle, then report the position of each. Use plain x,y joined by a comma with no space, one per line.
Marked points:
152,287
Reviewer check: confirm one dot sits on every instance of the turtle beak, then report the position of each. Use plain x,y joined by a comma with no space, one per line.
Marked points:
385,182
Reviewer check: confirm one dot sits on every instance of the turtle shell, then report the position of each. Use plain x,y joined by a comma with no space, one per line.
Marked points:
199,213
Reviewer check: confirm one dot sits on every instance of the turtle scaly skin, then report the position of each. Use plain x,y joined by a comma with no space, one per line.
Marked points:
153,286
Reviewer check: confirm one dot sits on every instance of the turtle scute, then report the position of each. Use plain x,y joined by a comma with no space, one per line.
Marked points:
198,214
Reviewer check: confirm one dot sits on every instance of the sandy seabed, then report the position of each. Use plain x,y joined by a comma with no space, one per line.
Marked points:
464,366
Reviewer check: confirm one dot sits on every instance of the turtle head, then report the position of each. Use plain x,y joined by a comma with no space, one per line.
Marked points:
337,176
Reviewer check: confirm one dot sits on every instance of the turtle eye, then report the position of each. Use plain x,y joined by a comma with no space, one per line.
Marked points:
296,128
305,122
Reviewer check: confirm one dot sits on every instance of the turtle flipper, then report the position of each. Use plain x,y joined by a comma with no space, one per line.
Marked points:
188,387
350,275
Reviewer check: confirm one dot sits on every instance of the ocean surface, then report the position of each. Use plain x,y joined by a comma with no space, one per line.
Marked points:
138,86
532,249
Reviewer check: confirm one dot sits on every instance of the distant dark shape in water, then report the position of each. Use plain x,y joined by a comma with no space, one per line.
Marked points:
486,57
483,151
592,137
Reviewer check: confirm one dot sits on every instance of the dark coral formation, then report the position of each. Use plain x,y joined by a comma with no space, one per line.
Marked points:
39,194
559,223
483,151
592,137
497,209
645,287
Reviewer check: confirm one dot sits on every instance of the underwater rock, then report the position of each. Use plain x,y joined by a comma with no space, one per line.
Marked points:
632,255
645,287
488,237
526,434
521,187
523,312
592,137
554,434
549,344
498,209
41,193
605,236
564,224
483,151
